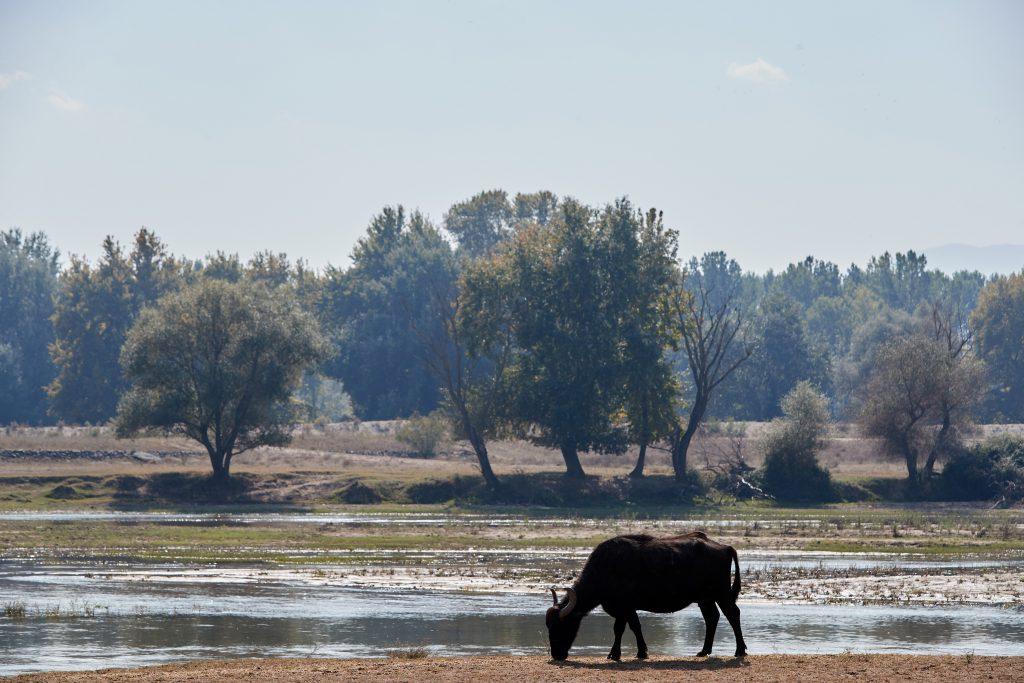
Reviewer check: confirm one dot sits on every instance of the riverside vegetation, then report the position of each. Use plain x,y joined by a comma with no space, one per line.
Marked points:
535,318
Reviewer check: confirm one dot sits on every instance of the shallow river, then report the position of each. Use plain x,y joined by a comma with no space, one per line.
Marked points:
182,617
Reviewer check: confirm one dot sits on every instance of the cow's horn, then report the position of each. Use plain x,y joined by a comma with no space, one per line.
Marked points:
554,597
567,610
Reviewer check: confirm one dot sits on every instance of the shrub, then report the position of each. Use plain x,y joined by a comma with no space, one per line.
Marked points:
791,470
63,492
795,476
358,493
423,434
993,468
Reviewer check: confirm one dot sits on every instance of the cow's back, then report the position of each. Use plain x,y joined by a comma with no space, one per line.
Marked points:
659,574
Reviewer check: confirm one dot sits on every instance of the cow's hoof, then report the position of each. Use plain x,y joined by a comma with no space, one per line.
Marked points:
642,654
704,653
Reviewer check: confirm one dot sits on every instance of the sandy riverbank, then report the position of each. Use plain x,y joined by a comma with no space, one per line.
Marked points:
519,669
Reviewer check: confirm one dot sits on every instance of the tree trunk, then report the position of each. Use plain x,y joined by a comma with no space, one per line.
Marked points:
638,471
480,448
939,446
573,468
911,456
681,445
680,449
220,466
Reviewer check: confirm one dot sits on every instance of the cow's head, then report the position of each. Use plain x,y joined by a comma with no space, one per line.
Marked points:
563,623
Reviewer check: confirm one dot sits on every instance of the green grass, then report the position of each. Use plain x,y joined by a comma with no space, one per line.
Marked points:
619,497
919,547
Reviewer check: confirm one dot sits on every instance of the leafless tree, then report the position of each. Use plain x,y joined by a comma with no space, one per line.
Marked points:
947,325
708,323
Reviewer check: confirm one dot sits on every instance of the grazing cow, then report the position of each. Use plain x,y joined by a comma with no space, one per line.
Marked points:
636,572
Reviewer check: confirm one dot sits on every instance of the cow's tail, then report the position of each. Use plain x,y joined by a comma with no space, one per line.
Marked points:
735,582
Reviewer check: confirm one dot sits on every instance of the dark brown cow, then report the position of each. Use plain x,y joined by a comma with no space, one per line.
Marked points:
636,572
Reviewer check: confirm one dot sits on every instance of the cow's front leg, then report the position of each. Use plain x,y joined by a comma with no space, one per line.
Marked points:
619,628
634,625
710,612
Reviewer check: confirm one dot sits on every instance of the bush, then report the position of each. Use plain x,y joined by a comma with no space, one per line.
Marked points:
358,493
791,470
795,476
993,468
63,492
423,434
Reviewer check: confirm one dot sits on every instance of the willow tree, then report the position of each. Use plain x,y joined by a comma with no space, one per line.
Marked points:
549,288
915,385
218,363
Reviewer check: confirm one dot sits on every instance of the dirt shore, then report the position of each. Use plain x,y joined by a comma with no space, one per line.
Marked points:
519,669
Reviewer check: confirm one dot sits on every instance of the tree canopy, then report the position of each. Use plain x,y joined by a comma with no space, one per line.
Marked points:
218,363
28,283
998,321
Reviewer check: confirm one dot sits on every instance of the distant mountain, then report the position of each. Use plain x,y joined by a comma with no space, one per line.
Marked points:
997,258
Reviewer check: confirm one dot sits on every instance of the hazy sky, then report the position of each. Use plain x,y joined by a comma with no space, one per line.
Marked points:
770,130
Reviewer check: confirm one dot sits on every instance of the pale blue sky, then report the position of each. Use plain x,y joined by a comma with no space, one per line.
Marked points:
770,130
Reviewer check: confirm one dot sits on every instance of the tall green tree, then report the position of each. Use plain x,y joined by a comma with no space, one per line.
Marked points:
28,284
485,220
782,356
550,288
807,281
850,371
534,207
902,281
481,222
998,324
96,305
218,363
366,311
648,273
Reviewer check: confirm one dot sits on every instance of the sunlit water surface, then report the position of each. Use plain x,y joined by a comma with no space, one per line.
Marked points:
184,616
150,613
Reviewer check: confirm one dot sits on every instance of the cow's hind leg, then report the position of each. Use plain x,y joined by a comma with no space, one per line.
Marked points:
732,613
619,628
641,644
710,613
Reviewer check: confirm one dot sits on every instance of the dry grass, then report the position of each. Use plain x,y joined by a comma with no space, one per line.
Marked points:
371,449
15,609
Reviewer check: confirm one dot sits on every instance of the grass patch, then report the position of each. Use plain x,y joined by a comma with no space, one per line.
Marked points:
15,609
917,547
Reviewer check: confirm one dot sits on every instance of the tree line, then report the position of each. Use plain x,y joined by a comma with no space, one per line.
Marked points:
573,326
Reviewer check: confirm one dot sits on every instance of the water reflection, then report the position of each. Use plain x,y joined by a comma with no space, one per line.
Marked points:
150,624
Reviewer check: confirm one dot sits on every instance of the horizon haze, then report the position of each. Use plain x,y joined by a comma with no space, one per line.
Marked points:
770,132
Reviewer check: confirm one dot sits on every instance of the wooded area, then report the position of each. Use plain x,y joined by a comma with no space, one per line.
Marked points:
573,326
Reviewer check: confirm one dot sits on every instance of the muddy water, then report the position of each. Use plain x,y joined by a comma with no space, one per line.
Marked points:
180,616
365,605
